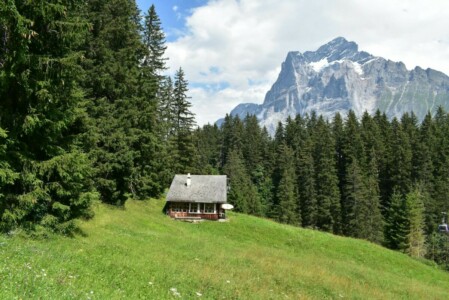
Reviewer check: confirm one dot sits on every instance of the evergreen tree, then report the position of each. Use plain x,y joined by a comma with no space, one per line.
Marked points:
45,177
400,164
208,146
355,206
7,178
242,193
227,132
114,52
438,249
184,118
374,219
415,214
154,40
441,163
167,108
384,160
306,183
251,148
338,133
372,144
150,173
328,194
362,217
279,136
396,228
423,170
233,130
287,206
182,148
262,180
353,201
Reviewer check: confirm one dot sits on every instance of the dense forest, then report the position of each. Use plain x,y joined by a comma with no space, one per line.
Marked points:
85,112
87,115
382,180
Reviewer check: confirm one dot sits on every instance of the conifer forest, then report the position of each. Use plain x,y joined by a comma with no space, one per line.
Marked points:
88,114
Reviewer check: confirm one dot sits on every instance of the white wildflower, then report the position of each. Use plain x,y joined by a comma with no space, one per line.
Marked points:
199,294
175,292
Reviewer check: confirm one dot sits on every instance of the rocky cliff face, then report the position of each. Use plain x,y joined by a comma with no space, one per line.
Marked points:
338,77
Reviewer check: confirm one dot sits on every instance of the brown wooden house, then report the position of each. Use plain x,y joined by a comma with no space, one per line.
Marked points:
197,197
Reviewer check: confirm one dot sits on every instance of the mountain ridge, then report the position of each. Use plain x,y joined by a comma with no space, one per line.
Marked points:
337,77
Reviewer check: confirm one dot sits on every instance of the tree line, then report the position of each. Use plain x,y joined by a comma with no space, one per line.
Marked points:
85,112
371,178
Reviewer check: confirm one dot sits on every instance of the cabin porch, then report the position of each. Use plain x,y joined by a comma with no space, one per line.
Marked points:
189,210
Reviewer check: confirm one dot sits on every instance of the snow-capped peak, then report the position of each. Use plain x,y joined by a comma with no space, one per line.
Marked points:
338,78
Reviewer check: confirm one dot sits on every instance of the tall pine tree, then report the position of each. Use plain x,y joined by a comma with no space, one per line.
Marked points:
287,210
182,146
114,51
326,180
46,175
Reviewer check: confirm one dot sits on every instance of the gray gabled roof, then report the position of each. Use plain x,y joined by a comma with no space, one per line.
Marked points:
203,188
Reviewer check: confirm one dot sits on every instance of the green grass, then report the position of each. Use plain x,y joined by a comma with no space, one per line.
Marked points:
138,253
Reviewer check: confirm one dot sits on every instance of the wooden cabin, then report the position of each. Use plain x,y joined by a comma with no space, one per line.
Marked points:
197,197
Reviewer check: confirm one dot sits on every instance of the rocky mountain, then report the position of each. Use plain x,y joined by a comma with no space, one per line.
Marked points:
338,77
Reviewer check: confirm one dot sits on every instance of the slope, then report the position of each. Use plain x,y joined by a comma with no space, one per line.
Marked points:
138,253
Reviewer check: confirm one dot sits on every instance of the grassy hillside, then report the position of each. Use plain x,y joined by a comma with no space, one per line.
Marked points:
138,253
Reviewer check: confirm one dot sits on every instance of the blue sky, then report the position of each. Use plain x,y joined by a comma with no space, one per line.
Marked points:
232,50
172,13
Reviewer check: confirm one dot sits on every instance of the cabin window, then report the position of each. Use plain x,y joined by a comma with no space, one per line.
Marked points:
194,208
184,207
209,208
180,207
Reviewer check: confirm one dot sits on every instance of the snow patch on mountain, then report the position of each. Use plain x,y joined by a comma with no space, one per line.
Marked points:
338,77
319,65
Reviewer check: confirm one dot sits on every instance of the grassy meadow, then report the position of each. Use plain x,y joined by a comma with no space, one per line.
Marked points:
139,253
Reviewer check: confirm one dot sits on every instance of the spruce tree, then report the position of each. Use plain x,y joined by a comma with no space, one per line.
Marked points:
441,163
384,159
182,147
150,173
233,130
374,220
396,227
338,133
114,51
242,193
423,170
306,184
400,164
208,144
7,178
45,176
438,249
326,180
415,213
287,210
167,108
154,40
355,206
251,148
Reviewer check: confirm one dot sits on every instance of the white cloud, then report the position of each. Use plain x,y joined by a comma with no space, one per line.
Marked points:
247,40
175,8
